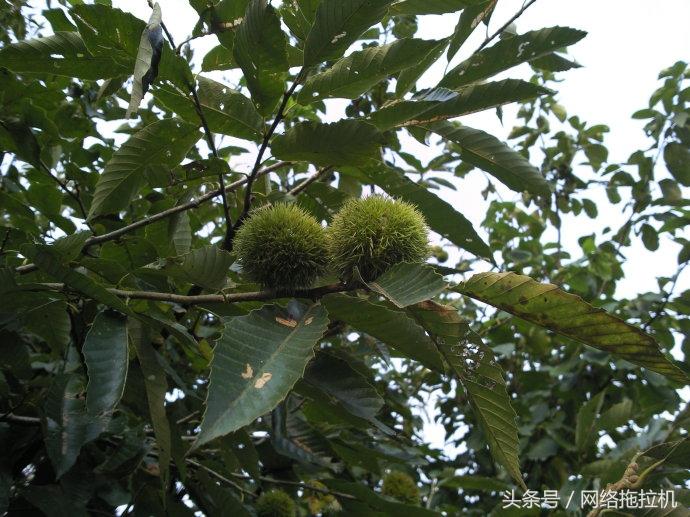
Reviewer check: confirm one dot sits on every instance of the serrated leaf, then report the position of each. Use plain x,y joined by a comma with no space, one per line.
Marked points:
70,246
207,267
164,142
510,52
226,110
260,49
493,156
569,315
481,376
470,18
338,24
409,76
393,327
257,360
421,7
346,142
148,58
107,359
554,63
299,16
677,158
440,216
63,53
353,75
441,103
407,284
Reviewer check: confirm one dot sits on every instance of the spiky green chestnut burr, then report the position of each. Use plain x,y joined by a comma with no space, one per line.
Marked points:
275,503
374,233
400,486
282,247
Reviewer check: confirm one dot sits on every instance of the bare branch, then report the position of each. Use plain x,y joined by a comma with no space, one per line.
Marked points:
503,27
311,179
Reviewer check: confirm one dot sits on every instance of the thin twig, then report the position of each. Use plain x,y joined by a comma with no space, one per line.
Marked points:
220,477
63,186
503,27
116,234
300,484
264,144
182,299
662,306
311,179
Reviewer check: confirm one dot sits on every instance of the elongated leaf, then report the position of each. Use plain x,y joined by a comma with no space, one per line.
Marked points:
338,24
148,58
407,284
441,216
353,75
50,261
493,156
364,499
260,49
441,103
207,267
227,111
50,321
299,16
346,142
63,53
257,361
393,327
510,52
470,18
586,421
569,315
408,77
481,376
107,359
420,7
165,142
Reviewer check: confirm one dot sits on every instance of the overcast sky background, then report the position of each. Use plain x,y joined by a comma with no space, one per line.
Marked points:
629,42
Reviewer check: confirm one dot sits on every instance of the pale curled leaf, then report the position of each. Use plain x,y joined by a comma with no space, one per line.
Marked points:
277,355
569,315
148,57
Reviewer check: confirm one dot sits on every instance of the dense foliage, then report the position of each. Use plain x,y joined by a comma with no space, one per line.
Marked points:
147,368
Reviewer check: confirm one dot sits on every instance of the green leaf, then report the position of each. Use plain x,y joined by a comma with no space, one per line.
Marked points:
63,53
346,142
472,482
106,355
569,315
617,415
219,58
50,321
441,103
260,50
364,499
24,142
408,77
390,326
586,421
420,7
257,360
227,111
407,284
481,376
50,261
493,156
164,142
554,63
440,216
650,237
207,267
70,246
677,158
299,16
108,31
470,18
353,75
510,52
338,24
148,57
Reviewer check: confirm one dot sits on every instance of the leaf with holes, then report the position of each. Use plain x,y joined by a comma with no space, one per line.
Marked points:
164,142
548,306
256,362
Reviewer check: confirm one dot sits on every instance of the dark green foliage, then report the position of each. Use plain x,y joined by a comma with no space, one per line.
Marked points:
374,233
282,247
400,486
275,503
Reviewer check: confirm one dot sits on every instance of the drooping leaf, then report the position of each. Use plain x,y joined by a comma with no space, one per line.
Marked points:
481,376
346,142
440,216
470,18
257,360
260,49
227,111
338,24
63,53
107,359
393,327
148,58
353,75
407,284
409,76
677,158
569,315
510,52
441,103
163,143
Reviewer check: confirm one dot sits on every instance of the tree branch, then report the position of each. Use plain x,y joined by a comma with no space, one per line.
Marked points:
99,239
63,186
264,144
311,179
503,27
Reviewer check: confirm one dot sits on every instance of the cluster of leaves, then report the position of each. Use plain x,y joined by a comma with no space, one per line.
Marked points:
140,367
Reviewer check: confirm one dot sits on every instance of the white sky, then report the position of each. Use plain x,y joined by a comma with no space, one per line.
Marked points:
629,41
